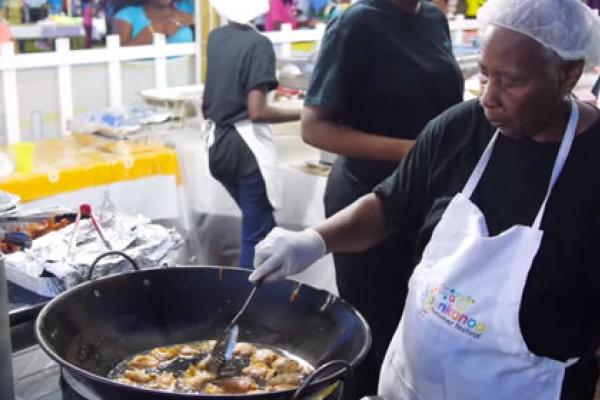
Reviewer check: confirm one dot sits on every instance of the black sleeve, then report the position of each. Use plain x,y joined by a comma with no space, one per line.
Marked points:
405,192
436,168
447,27
342,63
260,66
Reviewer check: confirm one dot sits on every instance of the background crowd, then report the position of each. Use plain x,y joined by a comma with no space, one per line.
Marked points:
136,20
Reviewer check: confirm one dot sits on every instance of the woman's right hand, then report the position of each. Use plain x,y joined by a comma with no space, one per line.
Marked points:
168,28
283,253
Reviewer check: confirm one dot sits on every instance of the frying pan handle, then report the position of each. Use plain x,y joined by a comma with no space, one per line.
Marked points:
331,364
111,253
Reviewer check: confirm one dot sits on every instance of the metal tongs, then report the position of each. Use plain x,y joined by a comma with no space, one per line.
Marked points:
223,350
85,211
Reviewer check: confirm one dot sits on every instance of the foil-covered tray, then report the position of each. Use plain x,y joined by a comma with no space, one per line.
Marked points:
48,269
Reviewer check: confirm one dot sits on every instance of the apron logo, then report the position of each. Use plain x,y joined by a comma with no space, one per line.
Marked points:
451,306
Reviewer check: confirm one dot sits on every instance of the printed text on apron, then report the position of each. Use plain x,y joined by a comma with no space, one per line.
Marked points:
459,337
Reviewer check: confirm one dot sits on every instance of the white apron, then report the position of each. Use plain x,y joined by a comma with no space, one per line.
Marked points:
459,337
259,139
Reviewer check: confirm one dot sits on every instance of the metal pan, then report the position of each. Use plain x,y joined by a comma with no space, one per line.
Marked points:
91,328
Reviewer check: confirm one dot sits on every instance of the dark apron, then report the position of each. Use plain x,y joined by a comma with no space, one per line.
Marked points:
374,281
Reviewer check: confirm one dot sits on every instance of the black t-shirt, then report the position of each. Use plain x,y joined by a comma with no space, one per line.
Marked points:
387,72
558,314
239,59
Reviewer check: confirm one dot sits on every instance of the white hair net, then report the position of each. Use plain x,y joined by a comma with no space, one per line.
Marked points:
240,11
568,27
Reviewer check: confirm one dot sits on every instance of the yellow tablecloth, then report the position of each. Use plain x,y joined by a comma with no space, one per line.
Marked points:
65,165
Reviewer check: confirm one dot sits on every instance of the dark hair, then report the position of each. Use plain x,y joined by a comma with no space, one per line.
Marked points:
288,2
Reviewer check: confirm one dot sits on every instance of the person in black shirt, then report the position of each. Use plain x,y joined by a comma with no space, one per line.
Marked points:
385,69
500,198
239,75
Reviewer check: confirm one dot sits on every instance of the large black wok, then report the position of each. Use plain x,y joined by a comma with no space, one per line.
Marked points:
91,328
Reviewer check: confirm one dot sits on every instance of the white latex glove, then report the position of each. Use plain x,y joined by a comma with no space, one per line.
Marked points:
283,253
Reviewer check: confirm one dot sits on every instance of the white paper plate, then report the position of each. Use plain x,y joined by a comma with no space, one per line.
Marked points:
157,118
9,212
176,93
8,201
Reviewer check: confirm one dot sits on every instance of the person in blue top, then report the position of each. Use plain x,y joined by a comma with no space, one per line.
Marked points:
136,21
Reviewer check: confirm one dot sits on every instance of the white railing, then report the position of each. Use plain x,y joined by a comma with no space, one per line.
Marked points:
63,59
286,36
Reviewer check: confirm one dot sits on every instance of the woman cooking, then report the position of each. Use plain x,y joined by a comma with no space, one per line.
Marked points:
503,194
239,75
385,69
